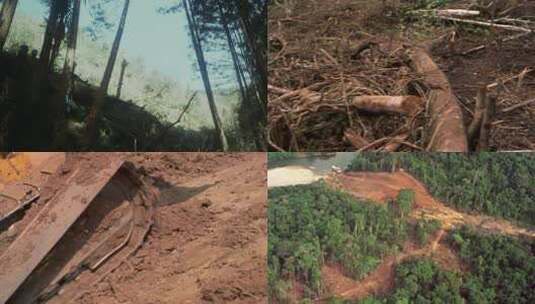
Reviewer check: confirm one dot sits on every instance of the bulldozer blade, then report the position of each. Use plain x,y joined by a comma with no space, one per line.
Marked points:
52,222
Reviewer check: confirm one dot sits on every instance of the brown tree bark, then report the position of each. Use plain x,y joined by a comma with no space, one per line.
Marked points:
115,49
250,38
56,45
72,37
121,79
51,26
70,57
232,48
204,74
6,18
448,133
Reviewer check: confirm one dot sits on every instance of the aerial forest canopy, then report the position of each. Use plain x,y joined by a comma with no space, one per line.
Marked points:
311,225
97,75
496,184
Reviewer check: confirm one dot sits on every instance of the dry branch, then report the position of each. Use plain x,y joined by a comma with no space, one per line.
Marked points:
516,106
452,12
488,24
355,139
520,75
483,46
486,125
396,142
475,126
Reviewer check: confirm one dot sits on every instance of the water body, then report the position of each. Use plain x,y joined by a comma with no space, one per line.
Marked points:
307,168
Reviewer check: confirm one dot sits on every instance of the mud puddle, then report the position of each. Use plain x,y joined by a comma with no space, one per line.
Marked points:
307,168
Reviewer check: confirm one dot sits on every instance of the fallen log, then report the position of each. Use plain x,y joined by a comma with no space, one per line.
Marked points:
394,104
448,133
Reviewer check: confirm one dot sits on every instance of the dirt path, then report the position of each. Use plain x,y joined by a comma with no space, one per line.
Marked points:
381,187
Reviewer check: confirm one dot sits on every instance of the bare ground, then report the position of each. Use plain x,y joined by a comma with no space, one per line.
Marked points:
313,46
208,241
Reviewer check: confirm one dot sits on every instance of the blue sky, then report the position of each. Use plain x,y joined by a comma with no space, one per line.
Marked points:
161,40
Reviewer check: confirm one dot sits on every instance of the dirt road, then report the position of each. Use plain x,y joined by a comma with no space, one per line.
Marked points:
381,187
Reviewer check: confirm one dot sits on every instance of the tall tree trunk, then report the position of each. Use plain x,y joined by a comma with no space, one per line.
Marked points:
70,57
204,74
72,38
6,18
58,38
92,118
258,58
51,25
232,49
249,67
121,78
114,50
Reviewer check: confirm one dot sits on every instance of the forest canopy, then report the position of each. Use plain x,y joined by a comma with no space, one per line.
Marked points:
312,225
501,270
497,184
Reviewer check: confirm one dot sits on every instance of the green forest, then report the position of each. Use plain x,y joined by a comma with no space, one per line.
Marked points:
501,270
63,86
497,184
312,224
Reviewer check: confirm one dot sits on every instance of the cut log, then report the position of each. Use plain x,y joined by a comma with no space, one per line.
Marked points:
448,133
382,104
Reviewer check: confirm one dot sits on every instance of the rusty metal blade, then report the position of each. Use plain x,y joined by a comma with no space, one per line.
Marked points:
42,234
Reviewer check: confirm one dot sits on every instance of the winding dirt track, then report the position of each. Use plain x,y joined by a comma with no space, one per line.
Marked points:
379,188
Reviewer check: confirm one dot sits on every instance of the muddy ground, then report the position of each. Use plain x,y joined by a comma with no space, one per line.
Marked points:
208,241
313,45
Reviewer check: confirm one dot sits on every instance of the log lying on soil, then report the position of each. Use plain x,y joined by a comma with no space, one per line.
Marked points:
381,104
448,133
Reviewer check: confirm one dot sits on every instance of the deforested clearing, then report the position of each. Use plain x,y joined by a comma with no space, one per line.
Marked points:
401,75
